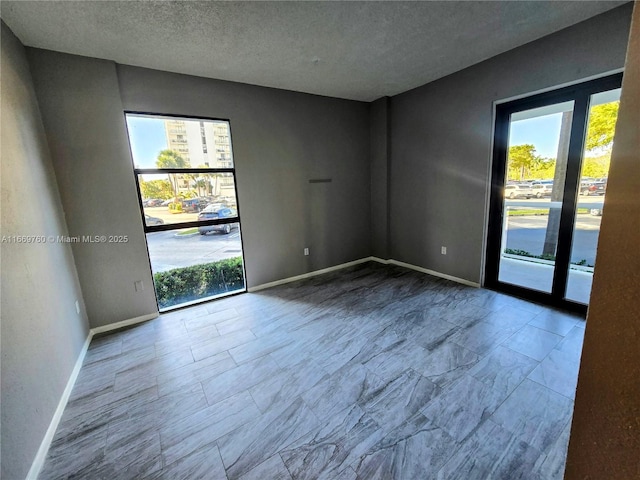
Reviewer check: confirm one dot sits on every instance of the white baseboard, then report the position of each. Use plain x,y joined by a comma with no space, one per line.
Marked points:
123,323
430,272
363,260
41,456
308,275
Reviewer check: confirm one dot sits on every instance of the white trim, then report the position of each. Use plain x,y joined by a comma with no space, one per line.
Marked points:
308,275
434,273
357,262
124,323
41,456
380,260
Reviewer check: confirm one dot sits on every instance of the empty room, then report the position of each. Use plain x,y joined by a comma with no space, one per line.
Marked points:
320,240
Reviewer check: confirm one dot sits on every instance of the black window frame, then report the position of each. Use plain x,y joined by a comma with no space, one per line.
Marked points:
187,171
580,94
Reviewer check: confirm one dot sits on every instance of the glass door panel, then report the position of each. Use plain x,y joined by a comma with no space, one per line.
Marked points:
548,186
536,168
603,113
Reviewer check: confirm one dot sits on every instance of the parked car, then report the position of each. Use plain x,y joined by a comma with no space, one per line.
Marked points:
542,189
194,204
518,190
214,211
152,202
596,212
149,220
597,188
584,186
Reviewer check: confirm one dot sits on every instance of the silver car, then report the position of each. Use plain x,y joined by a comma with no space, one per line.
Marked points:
541,189
518,190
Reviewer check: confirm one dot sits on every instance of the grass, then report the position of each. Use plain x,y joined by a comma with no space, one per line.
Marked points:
524,253
536,211
188,231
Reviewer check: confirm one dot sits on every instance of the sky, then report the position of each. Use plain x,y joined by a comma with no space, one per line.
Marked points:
543,132
147,139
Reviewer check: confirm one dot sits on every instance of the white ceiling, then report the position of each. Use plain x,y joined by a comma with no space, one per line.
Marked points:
354,50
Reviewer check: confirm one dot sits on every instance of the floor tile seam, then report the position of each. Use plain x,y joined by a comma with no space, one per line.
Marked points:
515,388
251,359
481,355
215,339
248,390
544,331
522,353
490,387
449,387
572,399
148,417
518,433
135,365
210,442
199,449
75,436
547,450
156,369
555,348
284,447
52,457
445,338
516,437
104,408
108,406
214,325
575,322
202,380
92,361
523,378
567,352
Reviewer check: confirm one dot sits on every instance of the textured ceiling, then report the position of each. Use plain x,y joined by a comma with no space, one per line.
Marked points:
355,50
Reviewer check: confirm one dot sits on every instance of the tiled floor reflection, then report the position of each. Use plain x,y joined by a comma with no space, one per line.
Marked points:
373,372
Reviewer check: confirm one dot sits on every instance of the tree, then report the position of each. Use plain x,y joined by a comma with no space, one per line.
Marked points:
522,159
602,125
156,189
596,167
171,159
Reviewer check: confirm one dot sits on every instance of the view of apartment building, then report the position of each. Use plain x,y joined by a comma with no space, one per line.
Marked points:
202,144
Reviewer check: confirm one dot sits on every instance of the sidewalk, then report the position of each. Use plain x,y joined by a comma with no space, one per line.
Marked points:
539,276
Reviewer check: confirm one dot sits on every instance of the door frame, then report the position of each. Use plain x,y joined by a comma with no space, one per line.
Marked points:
580,94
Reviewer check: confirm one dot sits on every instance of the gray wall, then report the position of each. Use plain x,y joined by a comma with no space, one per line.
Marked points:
605,440
280,139
82,113
42,335
442,133
380,158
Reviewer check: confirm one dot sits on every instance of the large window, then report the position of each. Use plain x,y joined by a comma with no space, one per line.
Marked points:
186,181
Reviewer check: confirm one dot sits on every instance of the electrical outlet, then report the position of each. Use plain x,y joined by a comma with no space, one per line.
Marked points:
306,251
443,250
77,307
139,285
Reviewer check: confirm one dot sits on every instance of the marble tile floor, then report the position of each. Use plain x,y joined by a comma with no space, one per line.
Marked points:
372,372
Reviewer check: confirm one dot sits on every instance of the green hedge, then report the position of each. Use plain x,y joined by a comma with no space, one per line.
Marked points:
182,285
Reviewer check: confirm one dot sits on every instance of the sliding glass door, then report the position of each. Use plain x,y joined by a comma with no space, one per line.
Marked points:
550,163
